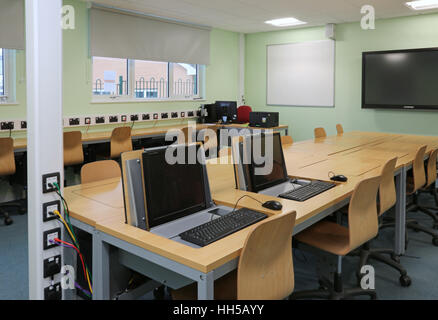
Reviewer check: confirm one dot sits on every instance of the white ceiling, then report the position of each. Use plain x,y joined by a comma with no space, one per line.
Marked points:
248,16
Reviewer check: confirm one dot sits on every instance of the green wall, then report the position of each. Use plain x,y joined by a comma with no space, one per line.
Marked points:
221,78
400,33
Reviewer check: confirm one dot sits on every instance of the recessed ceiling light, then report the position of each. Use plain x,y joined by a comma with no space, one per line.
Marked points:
285,22
423,4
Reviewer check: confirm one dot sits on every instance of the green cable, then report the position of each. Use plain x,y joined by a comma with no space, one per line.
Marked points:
67,215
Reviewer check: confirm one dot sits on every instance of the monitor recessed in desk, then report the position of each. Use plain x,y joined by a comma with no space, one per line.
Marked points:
172,190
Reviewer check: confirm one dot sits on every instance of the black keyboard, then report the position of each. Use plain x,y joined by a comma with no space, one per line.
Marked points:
221,227
308,191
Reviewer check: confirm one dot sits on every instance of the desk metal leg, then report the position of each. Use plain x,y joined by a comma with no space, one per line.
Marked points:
101,268
400,212
206,287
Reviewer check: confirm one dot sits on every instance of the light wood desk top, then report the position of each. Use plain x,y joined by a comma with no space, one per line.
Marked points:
101,204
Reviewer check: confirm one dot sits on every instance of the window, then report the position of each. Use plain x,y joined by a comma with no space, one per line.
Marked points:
7,76
110,76
144,80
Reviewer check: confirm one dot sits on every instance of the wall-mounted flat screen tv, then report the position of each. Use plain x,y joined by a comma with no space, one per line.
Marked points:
402,79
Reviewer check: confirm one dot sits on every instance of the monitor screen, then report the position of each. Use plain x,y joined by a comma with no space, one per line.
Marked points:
227,108
405,79
172,190
278,173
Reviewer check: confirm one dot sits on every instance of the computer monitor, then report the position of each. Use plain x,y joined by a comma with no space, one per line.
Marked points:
255,182
173,190
227,108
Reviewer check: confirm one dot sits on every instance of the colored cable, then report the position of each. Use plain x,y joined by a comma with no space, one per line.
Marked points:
66,225
86,274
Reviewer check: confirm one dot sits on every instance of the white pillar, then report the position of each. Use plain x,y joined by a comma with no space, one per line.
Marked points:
44,133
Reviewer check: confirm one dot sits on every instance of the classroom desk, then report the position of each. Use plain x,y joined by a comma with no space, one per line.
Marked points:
98,208
95,137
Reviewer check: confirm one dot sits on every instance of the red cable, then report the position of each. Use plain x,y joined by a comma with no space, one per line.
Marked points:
79,253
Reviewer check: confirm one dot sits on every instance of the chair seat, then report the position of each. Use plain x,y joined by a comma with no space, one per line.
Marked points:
225,288
327,236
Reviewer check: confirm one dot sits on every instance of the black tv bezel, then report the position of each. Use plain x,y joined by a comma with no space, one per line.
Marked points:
392,106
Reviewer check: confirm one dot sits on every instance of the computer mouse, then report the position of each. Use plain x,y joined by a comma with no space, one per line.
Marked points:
340,178
273,205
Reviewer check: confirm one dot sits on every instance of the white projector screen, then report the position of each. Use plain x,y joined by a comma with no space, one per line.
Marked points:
301,74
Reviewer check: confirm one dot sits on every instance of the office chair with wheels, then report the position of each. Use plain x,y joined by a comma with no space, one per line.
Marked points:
340,241
265,270
8,168
320,133
429,187
417,182
387,200
243,114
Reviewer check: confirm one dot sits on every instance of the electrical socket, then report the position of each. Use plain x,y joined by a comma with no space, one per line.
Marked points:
23,124
174,115
134,117
191,114
146,116
7,125
53,292
87,121
124,118
48,179
155,116
164,115
100,120
51,207
49,236
113,119
183,114
74,121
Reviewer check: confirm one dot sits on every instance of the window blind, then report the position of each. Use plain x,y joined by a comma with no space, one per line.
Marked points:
12,24
120,34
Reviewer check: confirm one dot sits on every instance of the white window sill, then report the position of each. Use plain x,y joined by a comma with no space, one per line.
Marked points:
15,103
127,100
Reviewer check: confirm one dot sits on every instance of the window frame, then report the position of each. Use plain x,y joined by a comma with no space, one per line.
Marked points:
131,96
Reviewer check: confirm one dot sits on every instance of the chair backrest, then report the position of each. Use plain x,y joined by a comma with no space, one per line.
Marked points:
387,192
339,128
100,170
7,159
265,270
431,168
320,133
286,140
363,223
418,170
120,141
243,114
73,151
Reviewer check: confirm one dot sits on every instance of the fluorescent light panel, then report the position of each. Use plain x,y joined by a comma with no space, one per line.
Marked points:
285,22
423,4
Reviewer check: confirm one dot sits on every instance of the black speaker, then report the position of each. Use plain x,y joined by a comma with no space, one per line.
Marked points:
212,116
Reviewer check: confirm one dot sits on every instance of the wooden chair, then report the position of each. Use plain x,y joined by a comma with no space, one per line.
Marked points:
73,151
286,140
418,182
265,270
100,170
339,129
320,133
120,141
387,200
8,168
339,240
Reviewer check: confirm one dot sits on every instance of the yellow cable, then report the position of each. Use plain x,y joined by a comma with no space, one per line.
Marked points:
65,224
69,231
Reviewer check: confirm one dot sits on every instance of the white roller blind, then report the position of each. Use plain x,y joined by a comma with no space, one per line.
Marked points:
123,35
12,24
